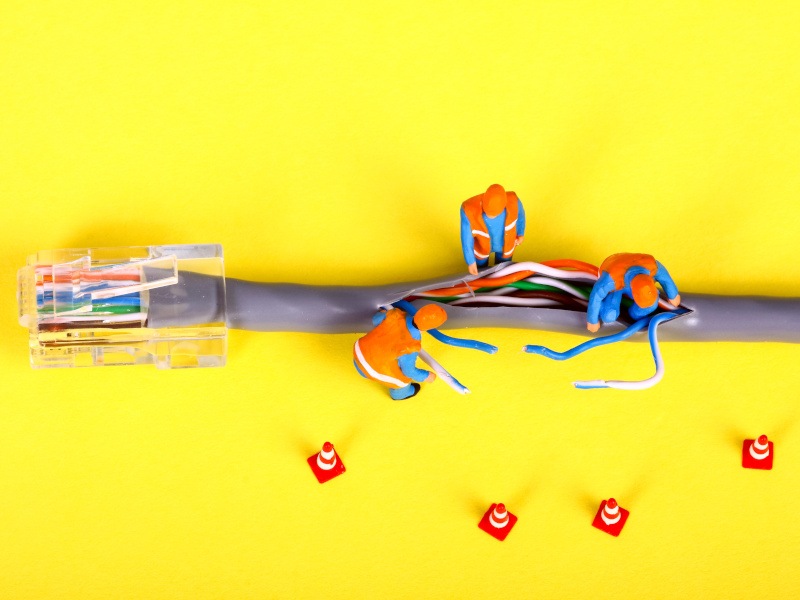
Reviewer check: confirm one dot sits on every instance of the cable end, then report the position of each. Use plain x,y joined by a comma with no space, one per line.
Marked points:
124,306
592,384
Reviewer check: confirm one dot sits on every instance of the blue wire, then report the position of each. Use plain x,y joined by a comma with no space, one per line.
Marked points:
651,335
463,343
406,306
590,386
128,300
68,298
593,343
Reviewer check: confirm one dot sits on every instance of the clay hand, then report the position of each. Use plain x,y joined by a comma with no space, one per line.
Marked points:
473,269
431,377
519,240
593,327
676,301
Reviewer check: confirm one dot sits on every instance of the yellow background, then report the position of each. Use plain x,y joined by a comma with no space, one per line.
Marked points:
332,143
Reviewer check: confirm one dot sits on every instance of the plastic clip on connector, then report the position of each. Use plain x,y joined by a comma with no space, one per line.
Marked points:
125,306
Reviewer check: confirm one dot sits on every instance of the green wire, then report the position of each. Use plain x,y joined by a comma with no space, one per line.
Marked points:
114,310
584,290
117,310
526,285
522,285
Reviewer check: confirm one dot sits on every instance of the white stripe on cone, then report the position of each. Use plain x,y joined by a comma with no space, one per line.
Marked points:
326,460
759,451
610,515
499,519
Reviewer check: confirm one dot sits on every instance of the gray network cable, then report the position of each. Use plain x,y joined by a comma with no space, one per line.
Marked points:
172,306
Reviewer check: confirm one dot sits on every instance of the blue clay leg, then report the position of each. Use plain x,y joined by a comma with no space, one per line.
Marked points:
401,393
355,364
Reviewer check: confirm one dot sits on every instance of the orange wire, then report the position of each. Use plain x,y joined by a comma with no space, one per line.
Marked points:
451,291
560,263
578,265
87,276
504,280
479,283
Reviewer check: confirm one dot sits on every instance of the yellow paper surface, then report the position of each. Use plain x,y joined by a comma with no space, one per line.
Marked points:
332,144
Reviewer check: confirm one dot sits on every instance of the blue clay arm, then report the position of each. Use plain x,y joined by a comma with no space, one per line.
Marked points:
467,241
602,288
663,277
408,365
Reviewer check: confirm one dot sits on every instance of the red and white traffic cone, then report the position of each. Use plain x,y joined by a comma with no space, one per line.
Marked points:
326,464
610,517
497,521
757,454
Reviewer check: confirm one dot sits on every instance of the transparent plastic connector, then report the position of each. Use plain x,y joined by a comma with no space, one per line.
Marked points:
161,305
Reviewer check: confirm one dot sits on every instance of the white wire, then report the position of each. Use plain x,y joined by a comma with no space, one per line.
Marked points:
72,318
545,270
498,292
62,286
507,301
542,270
443,373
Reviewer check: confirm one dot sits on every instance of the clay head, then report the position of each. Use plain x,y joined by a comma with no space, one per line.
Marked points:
644,291
494,200
430,316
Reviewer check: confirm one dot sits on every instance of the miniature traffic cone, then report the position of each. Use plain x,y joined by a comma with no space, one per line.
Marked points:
497,521
610,517
326,464
757,454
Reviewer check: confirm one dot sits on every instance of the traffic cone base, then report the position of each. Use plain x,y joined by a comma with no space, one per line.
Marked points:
326,475
750,462
499,533
615,528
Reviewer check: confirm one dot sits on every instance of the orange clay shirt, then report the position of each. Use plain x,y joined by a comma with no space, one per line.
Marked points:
616,273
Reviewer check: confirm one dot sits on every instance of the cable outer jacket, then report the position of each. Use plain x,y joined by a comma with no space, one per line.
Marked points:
349,309
712,318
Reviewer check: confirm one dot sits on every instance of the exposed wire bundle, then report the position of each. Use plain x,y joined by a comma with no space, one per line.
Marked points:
85,298
562,284
558,284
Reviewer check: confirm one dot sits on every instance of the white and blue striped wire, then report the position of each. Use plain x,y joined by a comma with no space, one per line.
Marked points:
644,383
443,373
